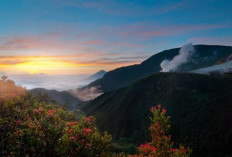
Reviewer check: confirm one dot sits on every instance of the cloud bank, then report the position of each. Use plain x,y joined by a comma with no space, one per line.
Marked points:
57,82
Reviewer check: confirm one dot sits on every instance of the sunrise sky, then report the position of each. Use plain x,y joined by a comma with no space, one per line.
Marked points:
60,37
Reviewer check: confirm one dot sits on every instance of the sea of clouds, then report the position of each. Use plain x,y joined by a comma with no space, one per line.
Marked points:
57,82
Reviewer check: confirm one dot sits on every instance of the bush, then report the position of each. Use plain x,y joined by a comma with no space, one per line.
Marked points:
32,127
161,144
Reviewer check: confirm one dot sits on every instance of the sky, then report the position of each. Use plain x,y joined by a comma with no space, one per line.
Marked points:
66,37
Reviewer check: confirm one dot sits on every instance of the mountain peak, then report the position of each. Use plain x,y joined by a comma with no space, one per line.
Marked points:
97,75
202,57
101,71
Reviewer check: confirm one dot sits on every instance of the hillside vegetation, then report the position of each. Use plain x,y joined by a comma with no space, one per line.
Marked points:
62,97
29,126
200,107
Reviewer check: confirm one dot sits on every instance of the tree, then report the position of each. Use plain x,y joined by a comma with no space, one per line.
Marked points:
161,144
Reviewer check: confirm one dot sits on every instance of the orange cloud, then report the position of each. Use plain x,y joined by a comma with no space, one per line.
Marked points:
29,54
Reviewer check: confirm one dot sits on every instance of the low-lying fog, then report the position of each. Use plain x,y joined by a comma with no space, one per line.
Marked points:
57,82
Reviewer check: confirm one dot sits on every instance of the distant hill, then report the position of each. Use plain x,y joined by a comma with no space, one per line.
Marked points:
9,90
86,94
200,107
204,56
96,76
61,97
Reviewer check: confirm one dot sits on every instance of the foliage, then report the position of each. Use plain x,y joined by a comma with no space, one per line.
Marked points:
83,138
30,127
199,105
161,144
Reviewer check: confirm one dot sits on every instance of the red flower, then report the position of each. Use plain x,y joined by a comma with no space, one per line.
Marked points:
51,112
88,146
17,122
147,148
153,149
153,108
76,136
70,131
164,111
174,150
151,128
183,150
72,138
88,119
87,131
38,111
16,133
157,124
71,124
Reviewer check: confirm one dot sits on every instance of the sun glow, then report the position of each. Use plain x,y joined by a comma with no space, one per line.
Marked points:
43,66
53,65
35,65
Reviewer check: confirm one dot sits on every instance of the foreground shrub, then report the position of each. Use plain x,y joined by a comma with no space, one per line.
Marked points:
30,127
161,144
82,137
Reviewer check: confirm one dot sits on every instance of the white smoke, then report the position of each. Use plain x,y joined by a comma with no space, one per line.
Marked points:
87,93
184,56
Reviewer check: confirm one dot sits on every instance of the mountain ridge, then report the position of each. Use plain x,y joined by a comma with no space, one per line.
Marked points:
204,56
96,75
61,97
